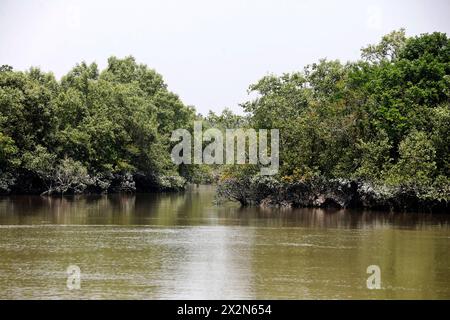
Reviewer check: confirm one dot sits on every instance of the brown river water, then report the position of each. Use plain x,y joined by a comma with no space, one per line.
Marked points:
183,246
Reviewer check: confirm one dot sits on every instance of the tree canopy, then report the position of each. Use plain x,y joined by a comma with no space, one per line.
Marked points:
98,126
383,119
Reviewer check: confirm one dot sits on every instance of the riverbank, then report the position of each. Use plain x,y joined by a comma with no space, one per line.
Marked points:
69,184
339,193
267,192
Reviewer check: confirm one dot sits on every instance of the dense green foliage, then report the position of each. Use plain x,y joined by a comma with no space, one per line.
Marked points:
92,130
378,127
384,119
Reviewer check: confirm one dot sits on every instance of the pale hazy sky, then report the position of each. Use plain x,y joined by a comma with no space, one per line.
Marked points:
208,51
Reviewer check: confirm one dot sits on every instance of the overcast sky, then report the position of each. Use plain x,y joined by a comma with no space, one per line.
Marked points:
208,51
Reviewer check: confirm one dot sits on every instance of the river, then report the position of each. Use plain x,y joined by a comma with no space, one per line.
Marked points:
183,246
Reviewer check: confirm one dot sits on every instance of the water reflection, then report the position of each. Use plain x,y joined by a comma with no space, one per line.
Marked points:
216,264
151,246
194,207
